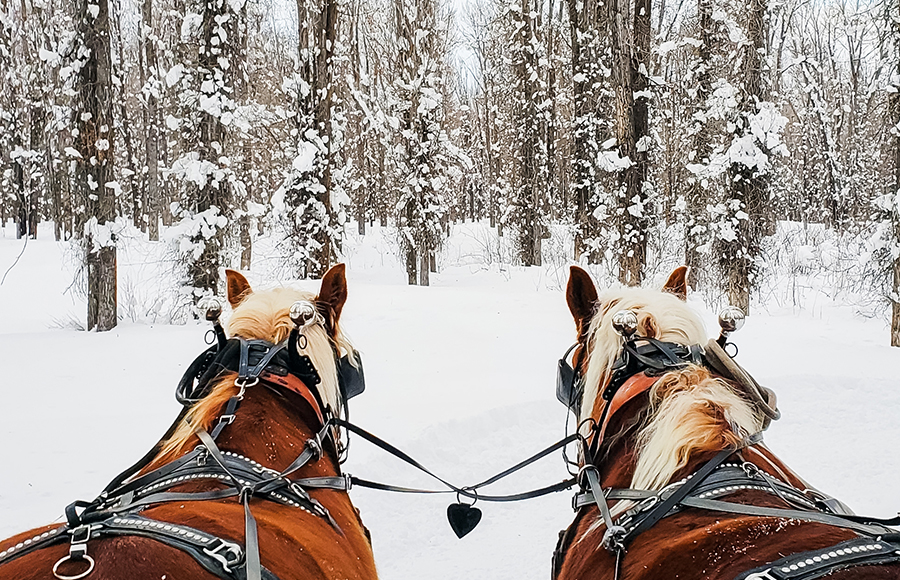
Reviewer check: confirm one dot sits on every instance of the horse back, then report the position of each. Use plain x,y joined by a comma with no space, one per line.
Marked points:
703,545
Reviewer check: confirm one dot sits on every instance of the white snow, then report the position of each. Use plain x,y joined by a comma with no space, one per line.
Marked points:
460,375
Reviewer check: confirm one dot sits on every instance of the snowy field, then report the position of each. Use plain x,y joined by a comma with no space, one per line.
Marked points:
460,375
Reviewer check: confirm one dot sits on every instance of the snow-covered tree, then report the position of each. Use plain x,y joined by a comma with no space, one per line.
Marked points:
423,156
590,126
307,201
527,209
94,152
205,80
744,215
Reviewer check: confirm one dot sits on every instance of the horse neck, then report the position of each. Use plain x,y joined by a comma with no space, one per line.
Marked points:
617,457
272,428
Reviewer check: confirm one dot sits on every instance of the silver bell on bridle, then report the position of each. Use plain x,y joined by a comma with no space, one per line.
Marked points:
625,322
731,319
303,313
212,308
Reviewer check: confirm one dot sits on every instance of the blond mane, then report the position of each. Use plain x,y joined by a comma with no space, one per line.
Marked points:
690,411
262,315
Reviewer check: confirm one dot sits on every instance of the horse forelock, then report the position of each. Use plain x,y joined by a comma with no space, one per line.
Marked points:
263,315
673,321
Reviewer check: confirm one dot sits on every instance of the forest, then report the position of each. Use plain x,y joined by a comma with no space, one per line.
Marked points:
644,132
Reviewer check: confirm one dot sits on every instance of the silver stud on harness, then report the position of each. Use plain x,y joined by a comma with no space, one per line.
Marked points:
625,322
303,313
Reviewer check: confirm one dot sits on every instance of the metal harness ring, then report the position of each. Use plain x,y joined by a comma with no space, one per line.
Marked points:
68,557
468,490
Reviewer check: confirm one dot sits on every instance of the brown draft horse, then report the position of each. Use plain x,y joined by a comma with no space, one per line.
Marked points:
664,427
315,535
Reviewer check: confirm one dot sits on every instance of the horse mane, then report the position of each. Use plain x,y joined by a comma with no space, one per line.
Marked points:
262,315
690,411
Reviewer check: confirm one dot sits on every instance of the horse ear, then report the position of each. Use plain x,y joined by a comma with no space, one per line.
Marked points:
647,326
677,282
238,287
581,296
334,291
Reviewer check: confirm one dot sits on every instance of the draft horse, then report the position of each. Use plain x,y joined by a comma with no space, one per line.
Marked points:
247,482
675,480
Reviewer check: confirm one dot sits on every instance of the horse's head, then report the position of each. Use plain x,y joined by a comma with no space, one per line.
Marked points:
265,315
687,409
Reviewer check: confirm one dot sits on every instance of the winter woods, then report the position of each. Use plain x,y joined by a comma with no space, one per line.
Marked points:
624,134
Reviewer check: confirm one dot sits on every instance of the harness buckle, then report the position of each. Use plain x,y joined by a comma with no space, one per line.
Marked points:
315,445
227,419
225,553
581,477
751,469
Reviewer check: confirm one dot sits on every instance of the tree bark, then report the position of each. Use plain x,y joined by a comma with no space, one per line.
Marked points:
151,141
894,121
631,125
95,141
214,194
696,228
750,189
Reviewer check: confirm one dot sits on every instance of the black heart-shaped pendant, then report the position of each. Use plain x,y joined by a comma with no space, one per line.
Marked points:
463,518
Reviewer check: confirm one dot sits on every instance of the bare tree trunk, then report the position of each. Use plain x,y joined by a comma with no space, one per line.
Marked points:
894,120
205,270
748,188
37,176
588,26
695,228
151,142
327,33
424,268
631,125
96,137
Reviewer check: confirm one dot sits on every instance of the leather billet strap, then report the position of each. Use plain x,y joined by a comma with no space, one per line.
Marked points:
728,479
819,563
725,481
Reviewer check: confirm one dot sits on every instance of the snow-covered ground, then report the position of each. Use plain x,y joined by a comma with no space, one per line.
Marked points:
460,374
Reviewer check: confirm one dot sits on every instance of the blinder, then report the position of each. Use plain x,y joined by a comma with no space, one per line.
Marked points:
351,378
569,383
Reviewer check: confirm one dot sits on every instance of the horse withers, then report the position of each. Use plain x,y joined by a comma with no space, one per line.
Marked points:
675,479
247,482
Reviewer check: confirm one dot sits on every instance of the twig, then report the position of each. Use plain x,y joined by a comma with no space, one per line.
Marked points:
25,245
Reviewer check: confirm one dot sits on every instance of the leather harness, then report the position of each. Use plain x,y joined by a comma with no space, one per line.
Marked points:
117,510
878,544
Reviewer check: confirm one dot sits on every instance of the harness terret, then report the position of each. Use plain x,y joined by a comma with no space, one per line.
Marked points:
116,511
637,369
